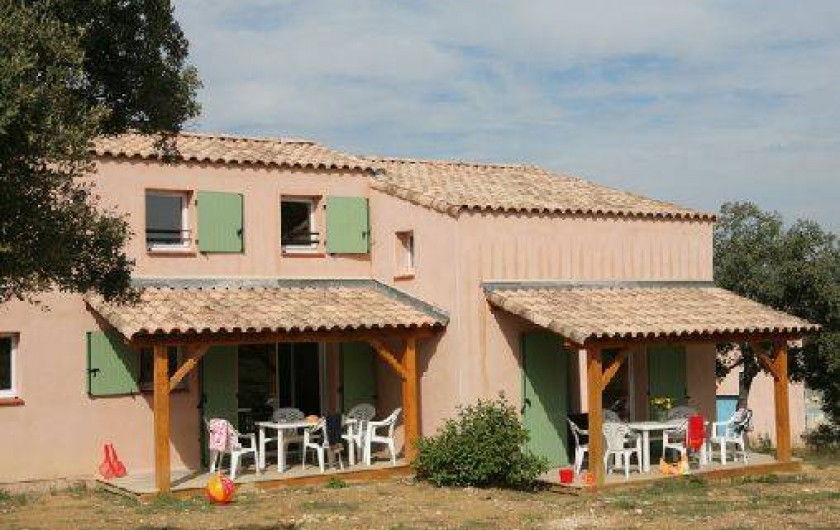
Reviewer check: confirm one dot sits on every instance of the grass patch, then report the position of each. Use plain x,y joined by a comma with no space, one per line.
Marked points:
336,484
477,524
776,479
13,499
170,503
330,506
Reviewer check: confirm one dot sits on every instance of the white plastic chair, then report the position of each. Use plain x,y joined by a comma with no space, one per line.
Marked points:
580,449
675,438
388,440
733,432
290,436
610,415
356,431
236,452
316,439
617,437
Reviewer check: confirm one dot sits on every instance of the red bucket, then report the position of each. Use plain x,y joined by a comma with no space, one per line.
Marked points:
567,475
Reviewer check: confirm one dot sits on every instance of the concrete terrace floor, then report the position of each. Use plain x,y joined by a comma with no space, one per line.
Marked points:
185,480
757,463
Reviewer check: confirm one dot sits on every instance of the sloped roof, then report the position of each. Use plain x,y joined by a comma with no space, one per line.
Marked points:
652,310
451,186
223,149
172,306
444,186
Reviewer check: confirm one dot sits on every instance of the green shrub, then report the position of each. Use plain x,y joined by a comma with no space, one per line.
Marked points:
483,446
824,438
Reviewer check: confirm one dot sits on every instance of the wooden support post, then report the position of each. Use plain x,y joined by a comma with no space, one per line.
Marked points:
161,416
194,354
594,378
409,398
780,387
613,368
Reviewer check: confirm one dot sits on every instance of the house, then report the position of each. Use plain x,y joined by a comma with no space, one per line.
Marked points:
280,268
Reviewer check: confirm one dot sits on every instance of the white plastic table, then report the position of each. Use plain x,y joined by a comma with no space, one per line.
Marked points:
281,429
646,427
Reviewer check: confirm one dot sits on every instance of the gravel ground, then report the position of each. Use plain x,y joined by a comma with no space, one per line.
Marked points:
807,500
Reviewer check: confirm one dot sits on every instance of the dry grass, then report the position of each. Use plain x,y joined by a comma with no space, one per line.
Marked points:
808,500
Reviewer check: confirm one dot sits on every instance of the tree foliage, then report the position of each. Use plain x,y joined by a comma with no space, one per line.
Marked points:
69,71
796,270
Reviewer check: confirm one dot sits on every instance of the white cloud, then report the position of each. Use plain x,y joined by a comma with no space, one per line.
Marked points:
696,102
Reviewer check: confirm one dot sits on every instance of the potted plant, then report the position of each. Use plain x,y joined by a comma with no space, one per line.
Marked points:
661,406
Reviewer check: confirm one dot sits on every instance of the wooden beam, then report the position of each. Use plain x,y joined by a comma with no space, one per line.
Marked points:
268,337
780,396
594,376
409,399
194,354
765,361
161,417
389,358
613,368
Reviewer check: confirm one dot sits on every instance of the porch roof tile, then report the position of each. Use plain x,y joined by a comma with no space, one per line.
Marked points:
640,310
191,306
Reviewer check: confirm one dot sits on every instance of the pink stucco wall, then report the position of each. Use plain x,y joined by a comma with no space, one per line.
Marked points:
60,430
477,356
762,403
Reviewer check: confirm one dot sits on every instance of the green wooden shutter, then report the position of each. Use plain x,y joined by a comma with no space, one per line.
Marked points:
219,387
348,228
113,368
358,376
220,222
545,395
666,373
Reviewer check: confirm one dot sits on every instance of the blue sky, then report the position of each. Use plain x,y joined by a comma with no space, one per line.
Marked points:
696,102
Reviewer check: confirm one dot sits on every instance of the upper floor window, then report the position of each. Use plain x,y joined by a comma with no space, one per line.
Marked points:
8,352
298,230
405,253
167,220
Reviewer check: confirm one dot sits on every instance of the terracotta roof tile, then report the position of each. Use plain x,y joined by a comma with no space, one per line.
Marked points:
223,149
232,306
582,313
451,186
444,186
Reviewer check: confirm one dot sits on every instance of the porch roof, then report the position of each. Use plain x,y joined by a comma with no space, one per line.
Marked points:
202,306
593,311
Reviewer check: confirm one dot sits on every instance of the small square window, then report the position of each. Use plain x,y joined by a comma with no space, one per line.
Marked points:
167,220
405,253
147,367
8,354
298,230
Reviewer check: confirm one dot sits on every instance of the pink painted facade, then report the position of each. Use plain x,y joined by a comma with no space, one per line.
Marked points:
761,403
63,429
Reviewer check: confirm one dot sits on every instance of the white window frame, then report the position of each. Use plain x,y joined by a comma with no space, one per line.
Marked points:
313,225
406,255
13,390
186,240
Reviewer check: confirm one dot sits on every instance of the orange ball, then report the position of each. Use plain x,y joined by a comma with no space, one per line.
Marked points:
220,489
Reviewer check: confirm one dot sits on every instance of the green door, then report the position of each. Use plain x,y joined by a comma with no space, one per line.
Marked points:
219,382
666,373
358,377
545,395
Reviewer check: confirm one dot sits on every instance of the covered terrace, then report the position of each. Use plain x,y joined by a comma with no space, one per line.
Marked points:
592,317
198,314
